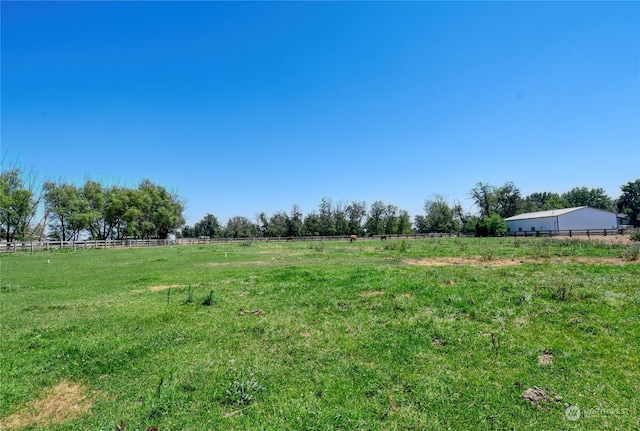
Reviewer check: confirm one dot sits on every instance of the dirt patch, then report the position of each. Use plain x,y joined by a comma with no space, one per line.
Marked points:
453,261
371,293
242,263
536,395
164,287
256,312
479,261
545,359
57,405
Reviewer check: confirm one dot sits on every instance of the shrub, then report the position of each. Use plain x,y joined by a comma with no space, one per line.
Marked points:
635,236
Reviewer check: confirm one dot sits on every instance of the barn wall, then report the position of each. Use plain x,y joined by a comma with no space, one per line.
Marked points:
588,218
544,223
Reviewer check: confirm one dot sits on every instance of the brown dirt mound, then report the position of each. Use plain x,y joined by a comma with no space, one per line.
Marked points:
60,404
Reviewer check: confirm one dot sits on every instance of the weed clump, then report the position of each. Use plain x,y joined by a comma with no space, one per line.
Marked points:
189,299
242,390
208,300
401,246
631,253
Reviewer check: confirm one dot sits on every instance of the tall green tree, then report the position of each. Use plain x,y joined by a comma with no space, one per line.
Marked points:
118,203
594,198
278,224
465,219
439,217
295,222
17,205
375,220
404,222
629,201
484,198
327,217
160,212
390,219
341,220
356,212
312,225
508,200
208,226
240,227
67,210
103,208
543,201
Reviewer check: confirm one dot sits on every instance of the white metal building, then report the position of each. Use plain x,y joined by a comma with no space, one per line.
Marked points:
577,218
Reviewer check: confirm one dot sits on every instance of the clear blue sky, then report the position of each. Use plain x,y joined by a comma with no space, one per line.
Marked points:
249,107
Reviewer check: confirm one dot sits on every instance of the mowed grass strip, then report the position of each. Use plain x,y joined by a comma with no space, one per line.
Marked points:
402,334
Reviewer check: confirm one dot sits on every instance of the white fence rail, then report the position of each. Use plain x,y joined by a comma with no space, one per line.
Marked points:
32,246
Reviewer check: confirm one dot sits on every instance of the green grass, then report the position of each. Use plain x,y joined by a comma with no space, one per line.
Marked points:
332,335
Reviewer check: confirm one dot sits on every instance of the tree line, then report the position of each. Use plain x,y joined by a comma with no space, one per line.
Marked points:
494,204
96,211
331,219
91,210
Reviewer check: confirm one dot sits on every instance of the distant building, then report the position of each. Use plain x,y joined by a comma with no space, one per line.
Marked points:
624,220
577,218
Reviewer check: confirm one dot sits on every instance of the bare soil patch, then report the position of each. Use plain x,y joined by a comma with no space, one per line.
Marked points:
536,395
545,359
164,287
453,261
479,261
60,404
243,263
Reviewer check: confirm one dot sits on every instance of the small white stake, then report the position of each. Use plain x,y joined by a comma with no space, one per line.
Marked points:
225,254
48,260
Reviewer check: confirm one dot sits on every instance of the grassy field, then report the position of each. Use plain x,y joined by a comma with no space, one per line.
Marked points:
418,334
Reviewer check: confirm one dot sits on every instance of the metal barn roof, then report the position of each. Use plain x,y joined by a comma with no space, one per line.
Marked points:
543,214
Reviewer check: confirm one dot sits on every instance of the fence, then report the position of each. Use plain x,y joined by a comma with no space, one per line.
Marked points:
16,246
570,232
32,246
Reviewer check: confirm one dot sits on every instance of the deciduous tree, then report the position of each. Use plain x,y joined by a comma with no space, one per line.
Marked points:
629,201
17,205
594,198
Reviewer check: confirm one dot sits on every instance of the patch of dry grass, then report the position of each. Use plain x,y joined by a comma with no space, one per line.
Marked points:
57,405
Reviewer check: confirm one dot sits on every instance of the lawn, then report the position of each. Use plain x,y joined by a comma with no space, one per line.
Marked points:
372,335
